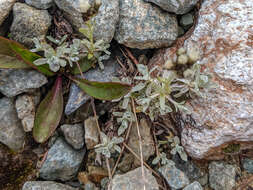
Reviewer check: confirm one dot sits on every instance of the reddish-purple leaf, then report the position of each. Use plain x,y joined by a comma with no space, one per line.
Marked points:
49,113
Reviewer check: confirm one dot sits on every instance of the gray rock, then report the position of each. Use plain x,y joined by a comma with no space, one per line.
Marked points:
77,97
74,135
174,177
106,20
148,147
25,107
177,6
221,176
29,23
187,21
73,10
45,185
193,186
14,82
11,132
133,180
247,164
190,169
40,4
62,162
91,133
226,115
144,26
5,8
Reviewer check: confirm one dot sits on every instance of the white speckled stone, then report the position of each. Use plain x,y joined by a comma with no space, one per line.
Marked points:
224,36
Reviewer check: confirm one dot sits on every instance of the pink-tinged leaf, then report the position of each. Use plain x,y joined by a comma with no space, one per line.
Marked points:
103,90
19,55
49,113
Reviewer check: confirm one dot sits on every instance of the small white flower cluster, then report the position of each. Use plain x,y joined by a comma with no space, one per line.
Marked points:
71,53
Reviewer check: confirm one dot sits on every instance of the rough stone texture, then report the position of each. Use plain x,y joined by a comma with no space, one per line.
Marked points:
14,82
221,176
73,10
193,186
247,164
25,106
106,20
77,97
62,162
45,185
190,169
175,178
5,8
40,4
74,135
29,23
142,25
224,37
148,147
133,180
175,6
91,133
11,132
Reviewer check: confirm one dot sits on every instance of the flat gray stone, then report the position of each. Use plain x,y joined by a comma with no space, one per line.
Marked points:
175,178
91,133
73,10
74,135
5,8
106,20
193,186
40,4
46,185
11,132
14,82
175,6
148,146
143,26
62,162
133,180
25,107
29,23
221,176
77,97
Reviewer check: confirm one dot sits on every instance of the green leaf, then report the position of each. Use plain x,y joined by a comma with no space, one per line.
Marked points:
85,65
19,55
7,62
49,113
102,90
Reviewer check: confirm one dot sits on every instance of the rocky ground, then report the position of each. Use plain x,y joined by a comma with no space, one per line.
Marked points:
217,136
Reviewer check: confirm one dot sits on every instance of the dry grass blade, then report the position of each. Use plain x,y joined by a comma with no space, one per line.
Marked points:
122,151
99,130
140,142
130,55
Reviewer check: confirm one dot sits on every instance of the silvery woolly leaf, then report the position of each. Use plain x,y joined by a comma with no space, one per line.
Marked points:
162,102
125,103
104,137
173,151
54,67
156,160
176,140
183,155
117,148
37,44
138,87
117,140
62,62
123,127
118,114
106,152
40,61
